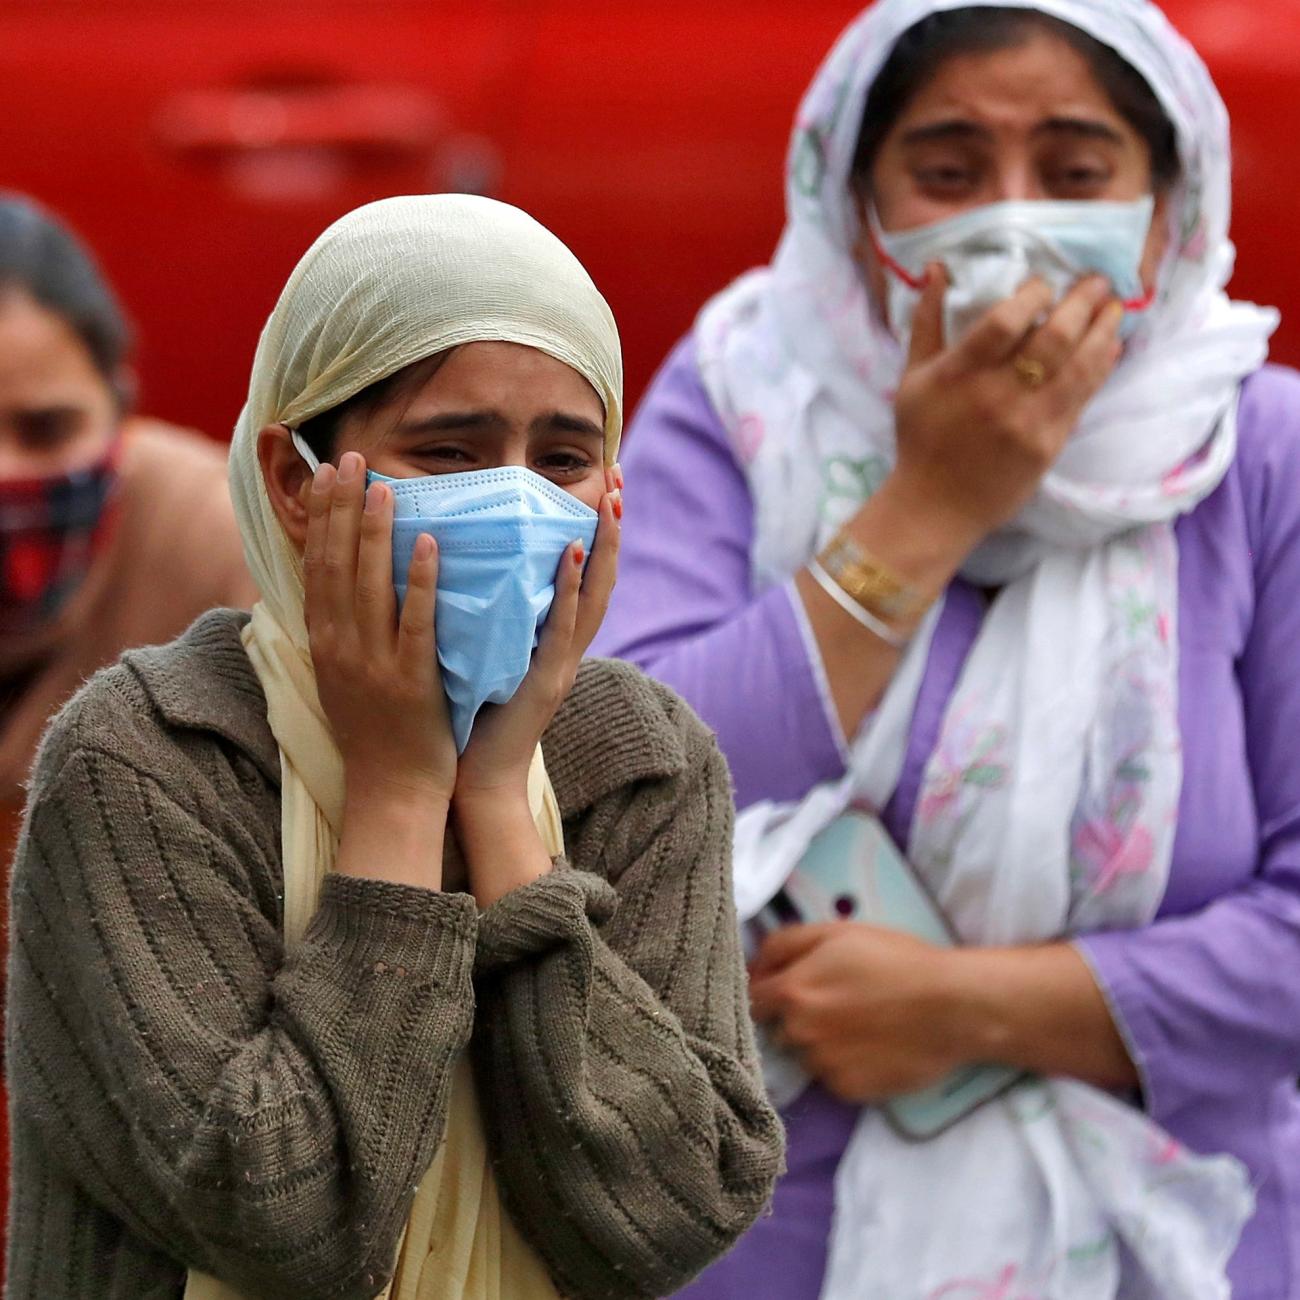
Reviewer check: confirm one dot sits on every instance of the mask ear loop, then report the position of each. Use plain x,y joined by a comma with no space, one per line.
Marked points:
1144,303
300,446
876,235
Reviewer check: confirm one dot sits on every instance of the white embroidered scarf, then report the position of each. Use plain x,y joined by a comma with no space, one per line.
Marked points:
1049,805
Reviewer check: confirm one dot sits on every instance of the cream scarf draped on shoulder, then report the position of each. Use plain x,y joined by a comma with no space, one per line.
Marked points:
390,284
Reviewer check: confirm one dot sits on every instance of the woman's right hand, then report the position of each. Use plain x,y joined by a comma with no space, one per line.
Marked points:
377,675
974,437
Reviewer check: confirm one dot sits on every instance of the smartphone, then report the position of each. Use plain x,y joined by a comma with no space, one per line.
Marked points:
853,871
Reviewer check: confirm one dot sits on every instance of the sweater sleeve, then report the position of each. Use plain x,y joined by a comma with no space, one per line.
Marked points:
685,610
261,1117
1208,1002
626,1111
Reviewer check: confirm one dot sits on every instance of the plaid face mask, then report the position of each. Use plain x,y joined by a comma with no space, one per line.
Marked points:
51,531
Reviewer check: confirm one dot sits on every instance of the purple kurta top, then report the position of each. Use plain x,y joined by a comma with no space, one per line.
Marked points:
1208,995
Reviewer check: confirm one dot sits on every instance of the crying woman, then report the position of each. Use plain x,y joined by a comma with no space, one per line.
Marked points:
375,945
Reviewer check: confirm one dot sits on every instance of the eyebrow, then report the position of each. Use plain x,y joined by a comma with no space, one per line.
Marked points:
489,421
1087,128
962,129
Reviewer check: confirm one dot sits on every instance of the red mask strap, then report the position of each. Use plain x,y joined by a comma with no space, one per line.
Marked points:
1144,303
889,264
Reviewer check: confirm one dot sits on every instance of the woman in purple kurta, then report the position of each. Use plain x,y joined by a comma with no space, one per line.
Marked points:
1204,1001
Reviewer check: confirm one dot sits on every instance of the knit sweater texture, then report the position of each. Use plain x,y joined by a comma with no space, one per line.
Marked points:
185,1094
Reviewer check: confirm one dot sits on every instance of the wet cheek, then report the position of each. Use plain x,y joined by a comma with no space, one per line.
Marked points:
590,490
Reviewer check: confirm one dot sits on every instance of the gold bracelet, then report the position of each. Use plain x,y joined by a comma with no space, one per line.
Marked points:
878,627
874,586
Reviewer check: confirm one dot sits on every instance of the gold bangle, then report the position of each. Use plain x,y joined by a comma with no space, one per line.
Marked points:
873,585
878,627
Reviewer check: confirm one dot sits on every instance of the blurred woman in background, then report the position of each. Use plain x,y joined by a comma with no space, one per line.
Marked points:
979,507
115,531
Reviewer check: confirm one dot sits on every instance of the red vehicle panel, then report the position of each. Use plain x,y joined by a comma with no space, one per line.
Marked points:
199,147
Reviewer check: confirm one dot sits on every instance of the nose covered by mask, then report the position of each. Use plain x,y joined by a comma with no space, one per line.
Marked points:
501,534
990,251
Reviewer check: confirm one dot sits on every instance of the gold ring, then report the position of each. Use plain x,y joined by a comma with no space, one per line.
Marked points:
1033,374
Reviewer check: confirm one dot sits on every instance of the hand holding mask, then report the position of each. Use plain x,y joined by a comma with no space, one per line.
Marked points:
989,252
979,423
501,535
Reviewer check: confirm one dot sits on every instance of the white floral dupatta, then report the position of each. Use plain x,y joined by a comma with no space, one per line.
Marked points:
1049,806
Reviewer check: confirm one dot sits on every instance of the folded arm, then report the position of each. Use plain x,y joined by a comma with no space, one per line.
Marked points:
624,1104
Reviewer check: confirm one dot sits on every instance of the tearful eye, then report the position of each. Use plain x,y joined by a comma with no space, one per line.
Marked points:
945,176
453,455
563,462
1080,180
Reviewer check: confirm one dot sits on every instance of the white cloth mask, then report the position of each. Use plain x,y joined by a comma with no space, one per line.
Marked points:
991,251
501,534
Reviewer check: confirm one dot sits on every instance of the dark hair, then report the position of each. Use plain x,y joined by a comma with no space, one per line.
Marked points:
321,432
46,260
985,29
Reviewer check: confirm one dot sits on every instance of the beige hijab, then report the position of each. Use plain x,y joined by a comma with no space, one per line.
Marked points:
387,285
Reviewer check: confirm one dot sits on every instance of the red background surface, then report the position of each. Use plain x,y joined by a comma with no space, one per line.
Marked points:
200,146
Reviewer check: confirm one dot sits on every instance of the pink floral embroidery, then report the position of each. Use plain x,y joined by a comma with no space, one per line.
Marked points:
999,1287
1165,1149
1113,853
1172,483
750,432
1197,244
966,758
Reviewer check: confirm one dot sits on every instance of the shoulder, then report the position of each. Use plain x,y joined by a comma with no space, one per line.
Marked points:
619,728
680,370
151,444
158,708
158,456
176,502
1269,417
1268,458
677,402
134,804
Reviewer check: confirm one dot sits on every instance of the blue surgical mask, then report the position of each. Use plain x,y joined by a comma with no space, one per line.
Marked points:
991,251
501,534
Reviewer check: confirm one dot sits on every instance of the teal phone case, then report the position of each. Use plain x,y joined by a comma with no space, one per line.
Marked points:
853,871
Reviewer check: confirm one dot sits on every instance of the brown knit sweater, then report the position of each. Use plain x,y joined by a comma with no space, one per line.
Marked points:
184,1094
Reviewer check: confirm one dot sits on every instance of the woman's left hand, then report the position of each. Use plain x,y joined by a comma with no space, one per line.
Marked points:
496,760
871,1013
490,811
